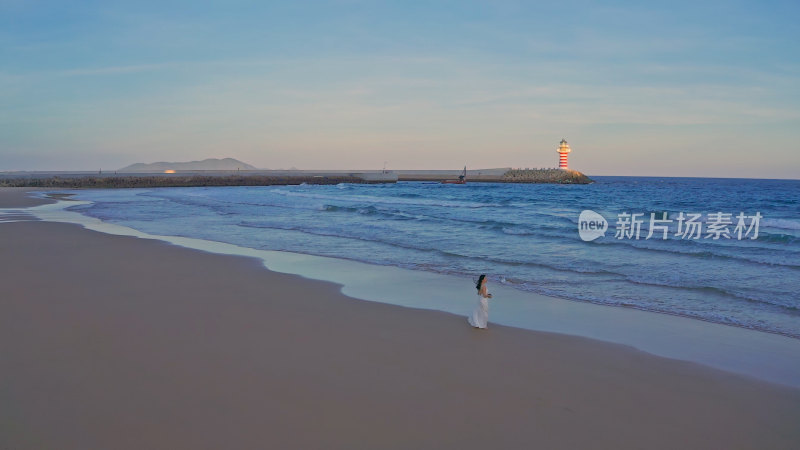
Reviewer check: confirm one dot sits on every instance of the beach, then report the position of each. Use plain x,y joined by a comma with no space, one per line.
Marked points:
120,342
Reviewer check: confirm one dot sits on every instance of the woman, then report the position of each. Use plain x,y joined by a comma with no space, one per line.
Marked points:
480,316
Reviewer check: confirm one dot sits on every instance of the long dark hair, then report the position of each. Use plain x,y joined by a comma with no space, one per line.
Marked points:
480,281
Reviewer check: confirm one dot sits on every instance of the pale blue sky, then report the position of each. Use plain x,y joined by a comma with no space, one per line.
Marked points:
668,88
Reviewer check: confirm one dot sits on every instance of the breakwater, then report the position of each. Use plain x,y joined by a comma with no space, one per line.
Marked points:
500,175
278,177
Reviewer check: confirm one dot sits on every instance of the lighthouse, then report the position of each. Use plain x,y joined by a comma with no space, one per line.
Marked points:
563,151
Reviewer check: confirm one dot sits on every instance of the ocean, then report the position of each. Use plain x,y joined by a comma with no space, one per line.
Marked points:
525,236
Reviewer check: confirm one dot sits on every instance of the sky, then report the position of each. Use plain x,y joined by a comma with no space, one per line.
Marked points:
707,89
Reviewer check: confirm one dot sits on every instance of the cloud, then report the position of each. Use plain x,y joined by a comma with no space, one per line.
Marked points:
115,70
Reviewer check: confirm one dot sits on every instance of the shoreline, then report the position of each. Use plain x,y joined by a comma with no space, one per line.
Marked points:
121,342
758,354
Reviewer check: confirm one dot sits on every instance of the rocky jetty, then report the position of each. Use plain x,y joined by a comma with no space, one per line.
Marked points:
560,176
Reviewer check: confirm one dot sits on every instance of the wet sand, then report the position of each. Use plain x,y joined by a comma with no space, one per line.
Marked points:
118,342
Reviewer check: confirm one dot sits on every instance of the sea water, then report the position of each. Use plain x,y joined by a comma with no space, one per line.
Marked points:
524,236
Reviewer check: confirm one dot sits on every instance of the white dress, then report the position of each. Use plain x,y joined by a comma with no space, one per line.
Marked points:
480,315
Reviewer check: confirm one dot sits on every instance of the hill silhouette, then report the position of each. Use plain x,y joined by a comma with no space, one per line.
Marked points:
206,164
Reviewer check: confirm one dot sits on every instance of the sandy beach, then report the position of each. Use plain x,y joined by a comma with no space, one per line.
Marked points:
118,342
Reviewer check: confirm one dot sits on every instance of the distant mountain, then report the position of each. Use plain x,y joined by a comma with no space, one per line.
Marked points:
206,164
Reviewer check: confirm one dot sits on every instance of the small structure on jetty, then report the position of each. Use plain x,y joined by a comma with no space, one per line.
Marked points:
462,179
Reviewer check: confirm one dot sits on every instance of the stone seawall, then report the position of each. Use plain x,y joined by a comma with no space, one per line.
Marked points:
557,176
90,182
276,177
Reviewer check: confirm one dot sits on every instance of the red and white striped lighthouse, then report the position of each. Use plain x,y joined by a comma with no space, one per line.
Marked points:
563,151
